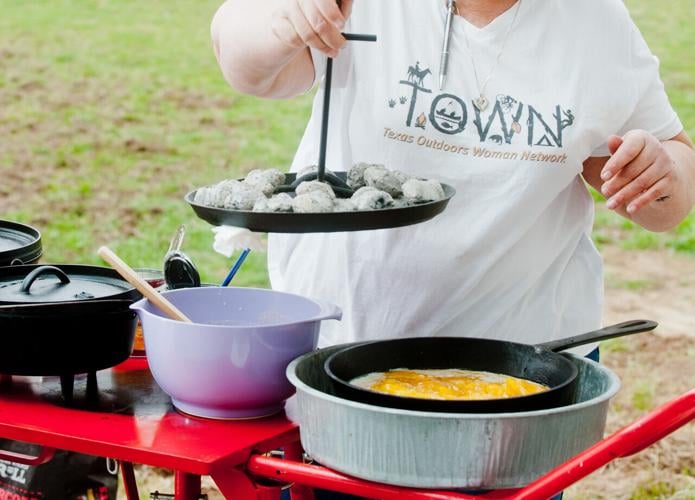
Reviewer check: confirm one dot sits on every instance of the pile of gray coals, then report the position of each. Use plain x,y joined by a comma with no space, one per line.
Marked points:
376,187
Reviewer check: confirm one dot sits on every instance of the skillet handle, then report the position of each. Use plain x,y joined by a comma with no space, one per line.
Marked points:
609,332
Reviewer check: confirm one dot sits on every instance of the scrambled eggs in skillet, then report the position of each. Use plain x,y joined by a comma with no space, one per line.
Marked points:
447,384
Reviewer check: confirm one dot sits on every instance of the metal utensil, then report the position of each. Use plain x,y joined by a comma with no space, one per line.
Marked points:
179,270
444,58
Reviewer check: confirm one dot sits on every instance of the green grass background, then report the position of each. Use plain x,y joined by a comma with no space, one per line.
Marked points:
111,110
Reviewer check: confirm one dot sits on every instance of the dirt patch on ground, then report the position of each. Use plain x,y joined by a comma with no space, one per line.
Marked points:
659,285
653,369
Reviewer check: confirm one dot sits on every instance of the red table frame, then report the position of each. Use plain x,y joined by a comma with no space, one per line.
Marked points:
190,446
233,452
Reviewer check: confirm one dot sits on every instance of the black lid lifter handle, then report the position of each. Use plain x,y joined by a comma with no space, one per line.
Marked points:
32,276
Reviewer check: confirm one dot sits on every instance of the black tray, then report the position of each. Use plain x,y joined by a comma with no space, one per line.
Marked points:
274,222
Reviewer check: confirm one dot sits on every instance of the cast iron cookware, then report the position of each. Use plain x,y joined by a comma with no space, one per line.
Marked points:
65,338
274,222
539,363
36,284
19,244
64,320
278,222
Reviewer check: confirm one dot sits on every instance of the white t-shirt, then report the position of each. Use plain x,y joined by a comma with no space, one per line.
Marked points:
511,258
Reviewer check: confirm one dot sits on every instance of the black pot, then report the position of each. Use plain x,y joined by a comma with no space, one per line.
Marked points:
63,320
19,244
65,338
538,363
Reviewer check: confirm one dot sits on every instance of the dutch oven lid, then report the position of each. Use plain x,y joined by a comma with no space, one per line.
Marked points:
64,283
19,243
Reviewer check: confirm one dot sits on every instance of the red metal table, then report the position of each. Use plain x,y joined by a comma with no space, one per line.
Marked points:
134,422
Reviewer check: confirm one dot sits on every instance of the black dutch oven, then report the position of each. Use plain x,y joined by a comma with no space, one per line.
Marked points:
64,320
19,244
539,363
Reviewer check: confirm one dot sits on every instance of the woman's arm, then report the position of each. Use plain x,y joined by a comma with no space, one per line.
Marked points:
645,180
262,45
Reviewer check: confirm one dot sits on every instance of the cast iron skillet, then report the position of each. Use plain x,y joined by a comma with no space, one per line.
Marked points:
274,222
539,363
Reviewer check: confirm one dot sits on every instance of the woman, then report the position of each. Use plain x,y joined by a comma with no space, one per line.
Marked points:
540,96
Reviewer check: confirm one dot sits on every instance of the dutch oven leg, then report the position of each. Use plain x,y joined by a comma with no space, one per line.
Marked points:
92,387
67,385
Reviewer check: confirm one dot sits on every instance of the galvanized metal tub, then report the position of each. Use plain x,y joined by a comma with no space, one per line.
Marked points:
444,450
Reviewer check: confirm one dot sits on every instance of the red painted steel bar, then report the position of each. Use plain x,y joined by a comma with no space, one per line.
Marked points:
627,441
187,486
46,455
129,484
321,477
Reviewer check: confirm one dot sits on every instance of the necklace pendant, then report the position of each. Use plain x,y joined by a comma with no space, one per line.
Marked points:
481,103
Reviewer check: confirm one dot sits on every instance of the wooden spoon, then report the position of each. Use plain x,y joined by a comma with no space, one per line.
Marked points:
142,286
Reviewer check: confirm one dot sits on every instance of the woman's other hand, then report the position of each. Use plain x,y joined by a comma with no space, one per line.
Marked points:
647,180
639,171
312,23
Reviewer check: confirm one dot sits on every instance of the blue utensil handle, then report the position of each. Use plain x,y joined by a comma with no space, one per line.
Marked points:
237,265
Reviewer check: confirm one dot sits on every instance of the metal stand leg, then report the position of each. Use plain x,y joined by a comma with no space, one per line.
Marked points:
187,486
131,487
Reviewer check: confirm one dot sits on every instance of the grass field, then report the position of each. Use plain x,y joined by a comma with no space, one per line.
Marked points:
110,111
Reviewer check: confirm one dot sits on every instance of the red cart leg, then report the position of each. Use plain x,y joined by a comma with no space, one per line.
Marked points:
131,487
187,486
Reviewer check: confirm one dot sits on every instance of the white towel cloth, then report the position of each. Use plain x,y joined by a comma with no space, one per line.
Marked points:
229,239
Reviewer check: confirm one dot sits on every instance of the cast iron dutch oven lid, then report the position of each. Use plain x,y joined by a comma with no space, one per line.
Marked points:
19,243
61,283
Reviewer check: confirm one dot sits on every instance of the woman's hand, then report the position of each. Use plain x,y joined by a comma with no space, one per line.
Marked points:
650,182
639,172
261,45
312,23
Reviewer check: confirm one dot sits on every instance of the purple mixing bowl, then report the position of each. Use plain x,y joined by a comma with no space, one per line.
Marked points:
230,362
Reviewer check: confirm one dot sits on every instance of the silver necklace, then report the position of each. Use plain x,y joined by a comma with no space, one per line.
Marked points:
481,102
